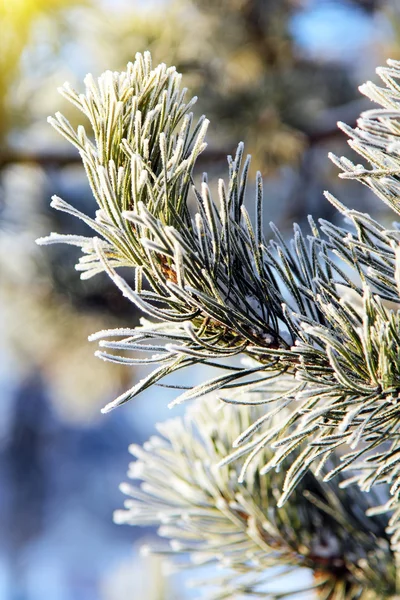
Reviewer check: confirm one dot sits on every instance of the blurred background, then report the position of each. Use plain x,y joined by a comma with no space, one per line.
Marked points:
277,74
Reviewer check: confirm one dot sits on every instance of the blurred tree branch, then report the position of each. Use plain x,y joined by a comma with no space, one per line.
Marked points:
325,129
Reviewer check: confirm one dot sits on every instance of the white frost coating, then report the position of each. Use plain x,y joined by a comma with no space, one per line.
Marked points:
210,516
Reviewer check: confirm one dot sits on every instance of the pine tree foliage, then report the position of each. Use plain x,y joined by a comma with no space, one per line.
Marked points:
207,514
317,320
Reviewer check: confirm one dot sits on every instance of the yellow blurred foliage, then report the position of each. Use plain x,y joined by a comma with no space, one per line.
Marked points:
17,20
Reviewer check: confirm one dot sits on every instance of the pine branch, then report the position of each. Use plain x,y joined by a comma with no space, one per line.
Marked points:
206,513
217,288
376,139
208,273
